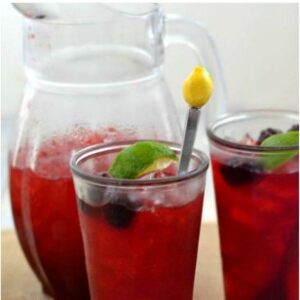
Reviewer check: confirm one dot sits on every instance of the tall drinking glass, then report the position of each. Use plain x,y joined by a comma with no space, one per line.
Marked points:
140,236
258,207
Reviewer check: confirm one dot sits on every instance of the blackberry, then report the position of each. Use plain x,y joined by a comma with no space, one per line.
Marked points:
237,171
295,127
120,213
266,133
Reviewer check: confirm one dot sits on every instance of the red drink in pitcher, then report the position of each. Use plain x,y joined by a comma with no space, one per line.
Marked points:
45,212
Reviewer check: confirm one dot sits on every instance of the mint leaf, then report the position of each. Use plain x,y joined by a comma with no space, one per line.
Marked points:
274,160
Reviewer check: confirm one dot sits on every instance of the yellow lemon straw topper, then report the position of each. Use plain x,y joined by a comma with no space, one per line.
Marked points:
197,89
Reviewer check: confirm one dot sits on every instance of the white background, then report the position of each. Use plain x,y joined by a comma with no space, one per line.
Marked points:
257,43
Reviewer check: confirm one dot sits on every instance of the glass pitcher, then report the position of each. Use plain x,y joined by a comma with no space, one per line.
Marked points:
93,75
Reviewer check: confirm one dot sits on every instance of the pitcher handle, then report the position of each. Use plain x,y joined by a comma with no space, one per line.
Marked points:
189,32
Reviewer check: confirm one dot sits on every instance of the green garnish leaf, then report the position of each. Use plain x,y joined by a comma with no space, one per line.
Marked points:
140,159
273,161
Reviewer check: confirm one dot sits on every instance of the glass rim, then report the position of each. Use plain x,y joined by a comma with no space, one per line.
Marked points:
91,151
242,115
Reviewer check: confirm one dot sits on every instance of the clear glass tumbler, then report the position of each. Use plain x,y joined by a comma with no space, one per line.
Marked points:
258,206
140,236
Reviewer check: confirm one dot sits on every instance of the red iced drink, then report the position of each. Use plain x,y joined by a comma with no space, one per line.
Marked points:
257,197
152,256
258,225
140,238
45,212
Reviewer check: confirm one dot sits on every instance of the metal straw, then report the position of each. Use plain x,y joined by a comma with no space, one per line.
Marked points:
189,139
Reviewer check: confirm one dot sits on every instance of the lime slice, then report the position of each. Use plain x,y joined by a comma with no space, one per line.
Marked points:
141,158
273,161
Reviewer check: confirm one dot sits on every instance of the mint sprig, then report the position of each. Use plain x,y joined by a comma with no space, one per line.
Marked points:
274,160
